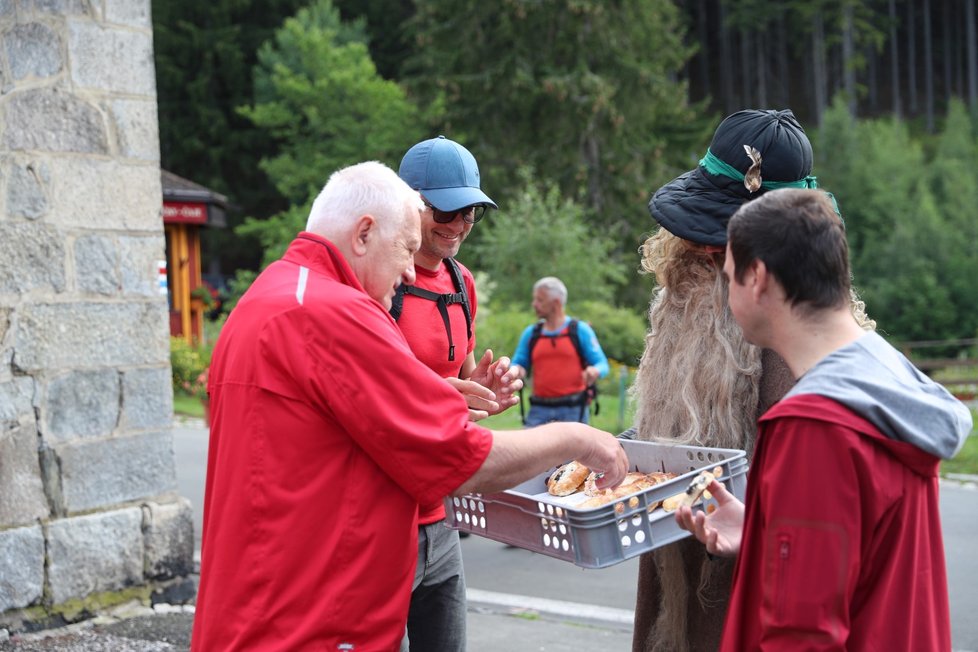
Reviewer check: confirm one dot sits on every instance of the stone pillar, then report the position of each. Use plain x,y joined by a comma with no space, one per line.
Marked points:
88,505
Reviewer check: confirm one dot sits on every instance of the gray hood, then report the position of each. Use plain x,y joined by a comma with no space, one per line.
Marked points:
878,383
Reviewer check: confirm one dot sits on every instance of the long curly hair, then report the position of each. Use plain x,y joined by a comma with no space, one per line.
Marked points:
698,383
697,375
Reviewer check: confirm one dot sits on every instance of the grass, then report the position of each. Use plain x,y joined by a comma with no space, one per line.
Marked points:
187,405
607,418
965,461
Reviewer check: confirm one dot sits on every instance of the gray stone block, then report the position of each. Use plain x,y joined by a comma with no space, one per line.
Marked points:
89,193
22,498
33,50
6,360
6,352
138,258
33,258
97,265
50,120
60,7
16,399
78,335
134,13
81,404
113,60
4,322
21,567
136,129
26,194
7,7
94,553
168,532
147,399
107,472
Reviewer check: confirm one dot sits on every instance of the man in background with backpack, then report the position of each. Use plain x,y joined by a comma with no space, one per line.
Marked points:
437,316
564,356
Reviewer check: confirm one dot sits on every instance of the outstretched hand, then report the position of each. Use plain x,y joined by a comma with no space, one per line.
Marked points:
605,457
720,531
481,400
500,379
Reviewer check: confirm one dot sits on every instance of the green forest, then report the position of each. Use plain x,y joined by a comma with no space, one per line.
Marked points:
577,111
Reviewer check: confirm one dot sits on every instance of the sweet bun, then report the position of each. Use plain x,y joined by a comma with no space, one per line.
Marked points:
567,479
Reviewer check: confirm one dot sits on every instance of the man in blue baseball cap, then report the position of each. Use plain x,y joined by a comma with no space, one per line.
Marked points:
437,316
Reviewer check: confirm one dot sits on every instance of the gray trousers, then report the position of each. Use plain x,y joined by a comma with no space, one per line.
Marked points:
436,621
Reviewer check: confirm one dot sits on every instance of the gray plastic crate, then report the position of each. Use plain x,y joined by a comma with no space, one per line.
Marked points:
529,517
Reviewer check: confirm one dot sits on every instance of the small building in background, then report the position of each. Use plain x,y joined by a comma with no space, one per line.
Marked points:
187,208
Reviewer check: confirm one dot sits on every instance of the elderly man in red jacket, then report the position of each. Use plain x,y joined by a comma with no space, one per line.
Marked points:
327,433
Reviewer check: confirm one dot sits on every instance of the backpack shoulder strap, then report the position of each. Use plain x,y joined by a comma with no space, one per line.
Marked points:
576,340
534,338
592,390
459,283
461,296
397,303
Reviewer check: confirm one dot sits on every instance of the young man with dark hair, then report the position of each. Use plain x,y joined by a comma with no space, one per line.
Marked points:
839,541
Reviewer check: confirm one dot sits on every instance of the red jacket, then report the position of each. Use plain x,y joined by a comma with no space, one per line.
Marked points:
842,546
323,442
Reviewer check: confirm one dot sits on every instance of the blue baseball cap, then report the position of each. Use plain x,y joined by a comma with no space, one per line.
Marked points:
445,173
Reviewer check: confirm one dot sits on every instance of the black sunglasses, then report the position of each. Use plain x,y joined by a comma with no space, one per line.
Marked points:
470,214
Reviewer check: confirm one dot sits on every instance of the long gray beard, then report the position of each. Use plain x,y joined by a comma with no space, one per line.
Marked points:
698,379
697,384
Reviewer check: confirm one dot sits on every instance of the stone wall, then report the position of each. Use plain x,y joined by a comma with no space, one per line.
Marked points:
88,502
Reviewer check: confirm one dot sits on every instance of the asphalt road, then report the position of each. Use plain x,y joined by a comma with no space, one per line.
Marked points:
532,584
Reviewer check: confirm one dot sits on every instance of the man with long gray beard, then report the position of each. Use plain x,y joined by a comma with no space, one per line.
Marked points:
699,382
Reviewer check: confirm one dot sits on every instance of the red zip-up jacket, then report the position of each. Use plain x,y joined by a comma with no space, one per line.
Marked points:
842,546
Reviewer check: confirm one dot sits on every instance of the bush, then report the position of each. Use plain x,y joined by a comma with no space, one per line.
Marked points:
500,329
620,331
189,367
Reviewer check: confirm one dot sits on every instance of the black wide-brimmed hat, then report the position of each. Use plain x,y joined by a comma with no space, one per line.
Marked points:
697,205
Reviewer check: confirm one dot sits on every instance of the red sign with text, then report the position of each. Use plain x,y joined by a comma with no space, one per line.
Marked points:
184,212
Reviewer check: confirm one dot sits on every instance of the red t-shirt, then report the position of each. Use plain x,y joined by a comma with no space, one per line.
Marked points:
842,546
556,366
424,330
327,432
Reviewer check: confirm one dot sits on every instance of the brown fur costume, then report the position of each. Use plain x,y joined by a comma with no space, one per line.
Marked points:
700,383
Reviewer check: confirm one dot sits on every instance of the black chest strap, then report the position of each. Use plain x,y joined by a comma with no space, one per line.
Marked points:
460,296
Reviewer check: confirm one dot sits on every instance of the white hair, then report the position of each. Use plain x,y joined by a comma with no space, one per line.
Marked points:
369,188
554,288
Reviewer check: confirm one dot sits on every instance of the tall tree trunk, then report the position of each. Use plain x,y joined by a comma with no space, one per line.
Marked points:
928,70
895,61
848,72
747,72
703,33
872,62
960,49
818,58
912,57
783,77
760,50
969,31
726,63
949,48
